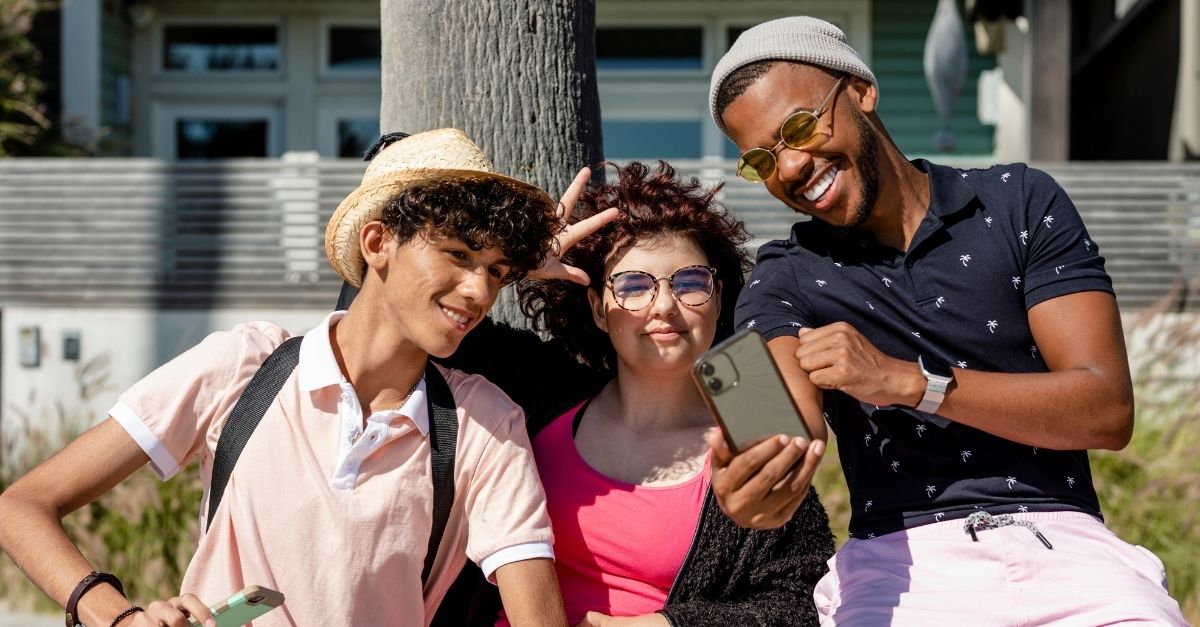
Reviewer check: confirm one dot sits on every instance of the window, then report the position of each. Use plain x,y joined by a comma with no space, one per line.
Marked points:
355,136
202,139
660,47
732,33
355,48
654,139
222,48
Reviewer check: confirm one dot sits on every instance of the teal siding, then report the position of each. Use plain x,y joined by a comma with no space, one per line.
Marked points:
898,29
116,58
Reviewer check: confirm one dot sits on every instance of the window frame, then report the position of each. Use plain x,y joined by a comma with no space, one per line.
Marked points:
160,70
325,25
167,114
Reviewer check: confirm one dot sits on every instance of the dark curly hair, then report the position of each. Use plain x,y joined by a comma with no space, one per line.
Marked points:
482,213
652,204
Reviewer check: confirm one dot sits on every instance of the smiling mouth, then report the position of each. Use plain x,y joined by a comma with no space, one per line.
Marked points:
817,190
456,316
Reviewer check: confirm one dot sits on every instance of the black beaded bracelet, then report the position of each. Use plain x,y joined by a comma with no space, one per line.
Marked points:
126,614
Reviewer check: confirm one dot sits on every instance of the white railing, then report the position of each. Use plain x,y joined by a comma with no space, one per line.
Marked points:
249,232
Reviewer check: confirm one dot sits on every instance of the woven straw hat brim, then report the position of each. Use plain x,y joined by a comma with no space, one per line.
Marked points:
366,204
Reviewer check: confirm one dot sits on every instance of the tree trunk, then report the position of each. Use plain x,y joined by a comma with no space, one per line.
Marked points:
519,76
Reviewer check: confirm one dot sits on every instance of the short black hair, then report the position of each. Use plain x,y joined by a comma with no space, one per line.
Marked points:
482,213
739,81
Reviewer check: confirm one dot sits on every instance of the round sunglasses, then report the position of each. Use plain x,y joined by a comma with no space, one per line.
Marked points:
797,132
635,290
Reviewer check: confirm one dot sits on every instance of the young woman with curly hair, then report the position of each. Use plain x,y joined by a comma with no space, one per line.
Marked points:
639,538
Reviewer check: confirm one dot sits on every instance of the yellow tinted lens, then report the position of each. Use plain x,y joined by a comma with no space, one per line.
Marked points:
799,129
756,164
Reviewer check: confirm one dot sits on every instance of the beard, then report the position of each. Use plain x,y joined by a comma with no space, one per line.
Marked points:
867,165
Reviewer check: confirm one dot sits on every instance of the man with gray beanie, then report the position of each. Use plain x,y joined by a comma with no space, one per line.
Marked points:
958,332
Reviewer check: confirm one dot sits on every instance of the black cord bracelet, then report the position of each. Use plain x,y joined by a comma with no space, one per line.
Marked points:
133,609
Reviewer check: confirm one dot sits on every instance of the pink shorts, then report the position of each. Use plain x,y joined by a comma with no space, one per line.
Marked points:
936,575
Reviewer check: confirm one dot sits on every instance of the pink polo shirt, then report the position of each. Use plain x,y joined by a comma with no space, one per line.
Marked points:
334,516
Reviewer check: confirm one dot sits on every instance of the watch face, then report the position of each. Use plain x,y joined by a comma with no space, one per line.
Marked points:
935,367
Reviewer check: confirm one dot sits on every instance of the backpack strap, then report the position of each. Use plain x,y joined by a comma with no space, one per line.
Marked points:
443,438
260,393
251,406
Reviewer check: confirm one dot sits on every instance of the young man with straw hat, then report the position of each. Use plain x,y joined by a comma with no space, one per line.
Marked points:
957,330
330,500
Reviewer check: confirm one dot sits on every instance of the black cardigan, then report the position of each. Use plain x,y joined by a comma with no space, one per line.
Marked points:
731,576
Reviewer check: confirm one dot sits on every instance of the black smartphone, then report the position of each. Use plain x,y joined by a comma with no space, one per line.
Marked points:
745,392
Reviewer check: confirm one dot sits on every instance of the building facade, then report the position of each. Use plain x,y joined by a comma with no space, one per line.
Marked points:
176,79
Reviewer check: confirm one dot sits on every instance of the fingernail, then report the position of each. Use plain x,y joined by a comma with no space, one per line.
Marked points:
800,443
818,448
783,440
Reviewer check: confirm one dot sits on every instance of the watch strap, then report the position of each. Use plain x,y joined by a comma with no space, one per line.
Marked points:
935,386
933,397
93,579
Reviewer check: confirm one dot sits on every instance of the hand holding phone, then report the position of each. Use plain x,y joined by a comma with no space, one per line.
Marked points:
245,606
745,392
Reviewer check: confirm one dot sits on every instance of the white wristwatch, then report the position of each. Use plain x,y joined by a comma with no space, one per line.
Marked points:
938,377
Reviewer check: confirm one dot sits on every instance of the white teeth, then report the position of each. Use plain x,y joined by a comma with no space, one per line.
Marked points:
818,190
455,316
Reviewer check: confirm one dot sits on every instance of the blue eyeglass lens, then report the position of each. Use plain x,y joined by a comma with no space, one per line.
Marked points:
693,286
633,285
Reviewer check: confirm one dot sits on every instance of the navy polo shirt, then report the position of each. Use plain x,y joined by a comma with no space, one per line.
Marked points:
994,243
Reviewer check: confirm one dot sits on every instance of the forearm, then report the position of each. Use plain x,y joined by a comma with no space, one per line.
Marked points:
33,536
1085,401
529,591
32,509
1068,410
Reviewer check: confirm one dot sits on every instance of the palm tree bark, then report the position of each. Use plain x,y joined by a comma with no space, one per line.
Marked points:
519,76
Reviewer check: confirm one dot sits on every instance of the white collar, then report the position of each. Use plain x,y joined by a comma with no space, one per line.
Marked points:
318,369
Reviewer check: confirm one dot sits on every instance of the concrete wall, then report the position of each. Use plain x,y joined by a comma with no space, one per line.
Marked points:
118,347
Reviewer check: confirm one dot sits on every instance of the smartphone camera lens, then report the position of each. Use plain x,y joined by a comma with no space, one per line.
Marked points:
707,369
256,599
715,384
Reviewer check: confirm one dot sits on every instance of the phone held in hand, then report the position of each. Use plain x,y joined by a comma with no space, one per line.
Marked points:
245,606
745,392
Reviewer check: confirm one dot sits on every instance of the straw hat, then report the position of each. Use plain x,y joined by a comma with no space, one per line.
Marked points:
438,155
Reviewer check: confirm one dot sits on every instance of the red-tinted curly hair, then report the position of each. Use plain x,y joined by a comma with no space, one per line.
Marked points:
652,204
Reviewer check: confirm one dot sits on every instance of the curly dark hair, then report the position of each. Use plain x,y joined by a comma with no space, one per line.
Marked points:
482,213
652,204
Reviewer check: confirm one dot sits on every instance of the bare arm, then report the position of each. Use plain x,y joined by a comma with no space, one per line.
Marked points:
529,591
1085,401
32,509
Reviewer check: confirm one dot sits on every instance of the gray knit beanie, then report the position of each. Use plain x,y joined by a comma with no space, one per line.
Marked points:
804,39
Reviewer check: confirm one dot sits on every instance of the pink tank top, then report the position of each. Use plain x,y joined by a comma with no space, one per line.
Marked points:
617,546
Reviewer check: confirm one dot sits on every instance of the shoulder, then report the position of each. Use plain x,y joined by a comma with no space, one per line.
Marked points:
1008,180
249,342
480,401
